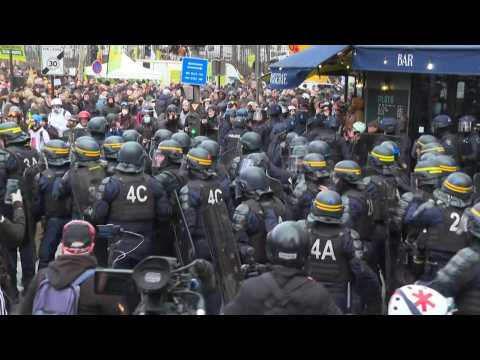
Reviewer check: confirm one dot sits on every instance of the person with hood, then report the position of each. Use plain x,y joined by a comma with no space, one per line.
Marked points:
58,118
163,100
171,119
209,126
110,106
86,104
38,135
78,242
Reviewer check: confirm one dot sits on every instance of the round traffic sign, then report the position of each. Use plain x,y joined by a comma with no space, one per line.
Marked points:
97,67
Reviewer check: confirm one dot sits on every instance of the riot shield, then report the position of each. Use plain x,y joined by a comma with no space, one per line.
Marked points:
231,149
184,247
219,233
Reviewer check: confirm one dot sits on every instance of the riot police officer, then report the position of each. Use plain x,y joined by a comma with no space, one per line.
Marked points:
381,189
286,289
399,168
97,128
197,140
347,181
57,212
111,147
214,150
83,179
420,143
314,175
439,218
160,135
258,213
460,278
183,139
230,143
205,206
19,162
469,142
252,155
132,135
442,128
336,256
322,147
135,201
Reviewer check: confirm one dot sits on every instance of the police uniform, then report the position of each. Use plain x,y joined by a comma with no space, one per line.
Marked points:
136,202
57,212
253,219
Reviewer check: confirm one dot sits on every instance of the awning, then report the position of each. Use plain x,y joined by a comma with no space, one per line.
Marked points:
423,59
293,70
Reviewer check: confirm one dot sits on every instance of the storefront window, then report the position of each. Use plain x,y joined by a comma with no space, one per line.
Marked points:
468,96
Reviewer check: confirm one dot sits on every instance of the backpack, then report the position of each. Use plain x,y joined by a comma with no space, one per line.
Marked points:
51,301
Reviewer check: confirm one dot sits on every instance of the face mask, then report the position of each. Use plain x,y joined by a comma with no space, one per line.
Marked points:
124,111
56,110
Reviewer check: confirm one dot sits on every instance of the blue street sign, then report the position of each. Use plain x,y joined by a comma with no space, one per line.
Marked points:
194,71
97,67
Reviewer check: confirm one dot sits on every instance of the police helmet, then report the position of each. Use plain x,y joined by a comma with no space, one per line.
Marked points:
459,185
131,135
242,112
446,163
428,172
251,141
327,207
199,160
11,133
382,156
131,158
253,180
320,147
162,134
388,124
197,140
393,145
112,146
287,245
348,170
111,117
314,165
289,138
239,122
183,139
465,123
275,110
473,222
298,140
442,121
212,147
86,149
432,147
97,125
169,149
57,152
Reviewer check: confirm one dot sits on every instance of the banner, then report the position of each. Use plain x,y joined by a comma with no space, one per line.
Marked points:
250,60
114,58
175,76
18,52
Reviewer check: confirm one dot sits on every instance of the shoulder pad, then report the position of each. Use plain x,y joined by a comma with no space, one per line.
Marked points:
243,209
408,197
240,216
106,180
302,224
354,234
37,177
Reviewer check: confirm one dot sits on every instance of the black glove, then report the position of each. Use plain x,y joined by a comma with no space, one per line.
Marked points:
203,269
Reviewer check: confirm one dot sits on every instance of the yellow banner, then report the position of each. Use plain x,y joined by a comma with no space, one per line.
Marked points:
175,76
250,60
114,58
18,52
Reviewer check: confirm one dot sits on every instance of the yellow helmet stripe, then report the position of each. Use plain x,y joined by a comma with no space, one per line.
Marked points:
448,168
57,150
315,163
174,148
348,171
87,152
199,160
438,148
15,130
114,145
456,188
383,157
325,207
475,212
432,169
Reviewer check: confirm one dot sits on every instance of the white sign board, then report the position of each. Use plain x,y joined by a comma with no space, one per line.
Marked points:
52,60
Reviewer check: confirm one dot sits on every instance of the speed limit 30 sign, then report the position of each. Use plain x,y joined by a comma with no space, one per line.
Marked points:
52,60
